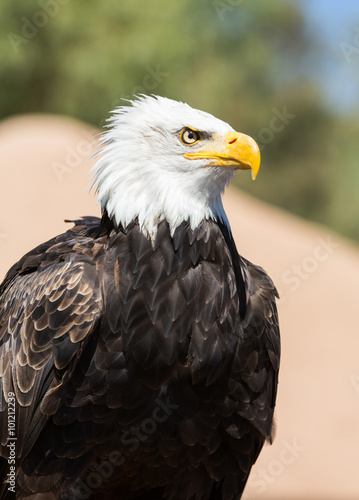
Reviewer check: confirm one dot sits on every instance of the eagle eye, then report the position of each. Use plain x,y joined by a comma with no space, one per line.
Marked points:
189,136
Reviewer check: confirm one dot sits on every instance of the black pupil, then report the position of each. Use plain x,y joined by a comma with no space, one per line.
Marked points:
191,136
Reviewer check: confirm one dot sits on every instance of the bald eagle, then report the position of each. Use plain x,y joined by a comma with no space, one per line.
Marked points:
139,352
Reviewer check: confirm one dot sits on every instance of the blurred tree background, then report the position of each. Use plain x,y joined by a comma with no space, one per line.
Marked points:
251,63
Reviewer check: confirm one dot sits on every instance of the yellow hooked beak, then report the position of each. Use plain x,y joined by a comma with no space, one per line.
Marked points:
235,150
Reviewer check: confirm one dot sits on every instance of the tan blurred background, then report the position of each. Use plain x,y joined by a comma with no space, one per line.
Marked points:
285,72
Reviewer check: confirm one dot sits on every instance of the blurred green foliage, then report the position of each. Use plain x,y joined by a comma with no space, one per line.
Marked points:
245,61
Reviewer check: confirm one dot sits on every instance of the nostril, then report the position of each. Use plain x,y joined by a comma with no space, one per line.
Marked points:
232,140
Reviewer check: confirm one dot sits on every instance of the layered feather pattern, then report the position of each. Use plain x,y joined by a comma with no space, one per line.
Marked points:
138,354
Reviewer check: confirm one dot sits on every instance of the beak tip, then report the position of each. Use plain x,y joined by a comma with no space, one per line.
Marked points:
256,164
255,170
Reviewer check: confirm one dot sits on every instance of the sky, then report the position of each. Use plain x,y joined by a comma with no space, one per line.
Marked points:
336,23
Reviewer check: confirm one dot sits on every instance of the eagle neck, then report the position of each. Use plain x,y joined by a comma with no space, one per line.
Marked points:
174,209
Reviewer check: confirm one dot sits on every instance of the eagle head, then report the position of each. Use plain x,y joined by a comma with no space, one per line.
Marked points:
163,160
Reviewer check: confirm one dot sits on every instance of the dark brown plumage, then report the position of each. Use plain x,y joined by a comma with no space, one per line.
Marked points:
109,331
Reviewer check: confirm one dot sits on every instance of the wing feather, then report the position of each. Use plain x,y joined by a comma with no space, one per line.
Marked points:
45,315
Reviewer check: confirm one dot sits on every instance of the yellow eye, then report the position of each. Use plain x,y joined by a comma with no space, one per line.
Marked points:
189,136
